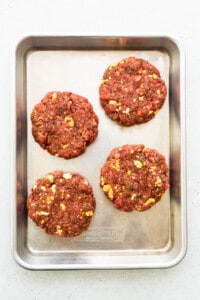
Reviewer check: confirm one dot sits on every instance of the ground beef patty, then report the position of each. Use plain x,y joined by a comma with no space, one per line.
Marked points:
64,124
62,204
134,177
132,91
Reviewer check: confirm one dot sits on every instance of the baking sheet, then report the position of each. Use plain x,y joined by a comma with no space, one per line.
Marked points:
111,232
81,72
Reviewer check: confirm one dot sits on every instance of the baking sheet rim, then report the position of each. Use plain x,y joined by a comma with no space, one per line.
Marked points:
183,172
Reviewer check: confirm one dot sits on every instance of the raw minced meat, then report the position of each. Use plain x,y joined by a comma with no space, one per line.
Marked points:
62,204
134,177
132,91
64,124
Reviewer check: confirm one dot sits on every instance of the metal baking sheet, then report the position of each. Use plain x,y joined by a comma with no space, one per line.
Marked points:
154,238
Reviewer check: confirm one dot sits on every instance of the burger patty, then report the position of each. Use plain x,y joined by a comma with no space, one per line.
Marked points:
134,177
62,204
64,124
132,91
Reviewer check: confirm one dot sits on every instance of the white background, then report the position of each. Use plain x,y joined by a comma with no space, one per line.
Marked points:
181,19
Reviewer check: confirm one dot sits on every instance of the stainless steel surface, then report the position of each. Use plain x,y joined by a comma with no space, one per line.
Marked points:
155,238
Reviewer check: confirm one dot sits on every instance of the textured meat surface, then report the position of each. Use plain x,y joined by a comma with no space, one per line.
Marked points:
134,177
64,124
132,91
62,204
